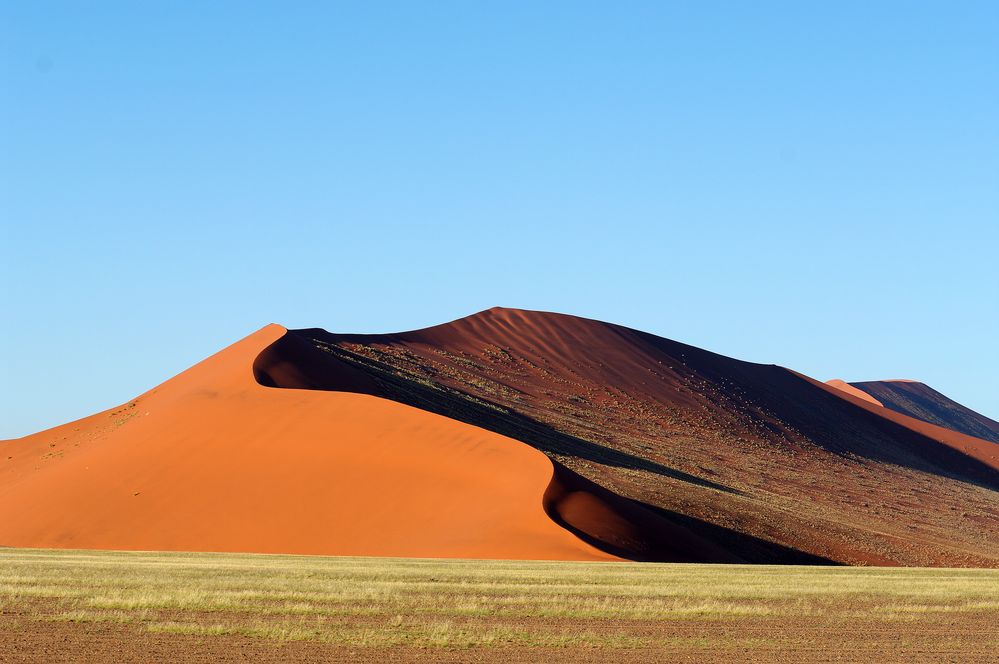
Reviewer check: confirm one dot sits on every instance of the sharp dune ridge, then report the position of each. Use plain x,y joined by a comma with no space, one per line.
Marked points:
508,434
840,384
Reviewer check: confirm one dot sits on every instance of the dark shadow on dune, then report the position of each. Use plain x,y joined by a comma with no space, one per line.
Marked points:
294,362
625,528
791,406
620,526
884,439
770,403
924,403
751,549
638,531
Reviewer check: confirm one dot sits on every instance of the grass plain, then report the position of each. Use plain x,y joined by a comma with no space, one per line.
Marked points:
58,605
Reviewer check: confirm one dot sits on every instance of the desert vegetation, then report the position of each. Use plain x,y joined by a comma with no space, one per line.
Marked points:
185,605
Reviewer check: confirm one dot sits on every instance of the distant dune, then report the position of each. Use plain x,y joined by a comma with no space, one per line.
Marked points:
850,389
917,400
506,434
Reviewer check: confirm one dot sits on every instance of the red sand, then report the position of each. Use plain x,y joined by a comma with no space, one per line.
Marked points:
915,399
984,451
212,461
851,390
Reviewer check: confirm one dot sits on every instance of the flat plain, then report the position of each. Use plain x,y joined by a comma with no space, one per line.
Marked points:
60,606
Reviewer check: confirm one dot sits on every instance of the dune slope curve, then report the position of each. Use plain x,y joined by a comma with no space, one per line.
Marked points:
213,461
596,515
844,386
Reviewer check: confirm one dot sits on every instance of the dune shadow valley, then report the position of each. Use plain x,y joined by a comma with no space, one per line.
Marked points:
548,448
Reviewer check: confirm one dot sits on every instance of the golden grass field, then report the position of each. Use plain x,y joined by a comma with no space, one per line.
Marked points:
94,606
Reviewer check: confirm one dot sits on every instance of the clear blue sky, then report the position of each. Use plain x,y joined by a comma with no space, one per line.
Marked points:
809,184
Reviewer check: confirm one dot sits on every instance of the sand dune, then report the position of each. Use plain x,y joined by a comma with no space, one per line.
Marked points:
212,461
506,434
761,461
912,398
851,390
985,452
598,516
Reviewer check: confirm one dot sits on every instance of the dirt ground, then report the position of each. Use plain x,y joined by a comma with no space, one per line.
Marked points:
122,607
25,637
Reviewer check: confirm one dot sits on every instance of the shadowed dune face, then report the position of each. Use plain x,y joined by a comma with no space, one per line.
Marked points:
213,461
614,525
915,399
754,458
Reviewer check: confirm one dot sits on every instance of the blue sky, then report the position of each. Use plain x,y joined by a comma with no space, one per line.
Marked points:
814,185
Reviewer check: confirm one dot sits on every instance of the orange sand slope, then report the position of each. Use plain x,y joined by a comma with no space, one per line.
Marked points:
850,389
213,461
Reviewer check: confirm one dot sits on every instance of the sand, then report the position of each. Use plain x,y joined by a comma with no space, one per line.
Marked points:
915,399
213,461
850,389
757,459
982,451
506,434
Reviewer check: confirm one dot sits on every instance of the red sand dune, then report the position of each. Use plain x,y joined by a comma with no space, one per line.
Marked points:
212,461
984,451
764,462
506,434
912,398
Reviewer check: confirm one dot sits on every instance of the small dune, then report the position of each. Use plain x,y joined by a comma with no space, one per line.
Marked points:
850,389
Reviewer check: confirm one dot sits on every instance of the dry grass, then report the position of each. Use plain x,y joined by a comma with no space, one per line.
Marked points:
468,604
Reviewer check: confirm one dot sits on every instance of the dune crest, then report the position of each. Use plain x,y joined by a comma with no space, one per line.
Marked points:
850,389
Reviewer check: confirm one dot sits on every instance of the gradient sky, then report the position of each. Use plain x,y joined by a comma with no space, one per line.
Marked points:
814,185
